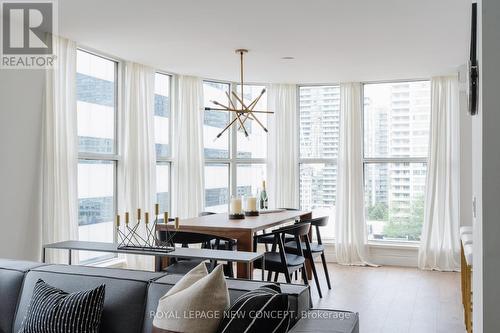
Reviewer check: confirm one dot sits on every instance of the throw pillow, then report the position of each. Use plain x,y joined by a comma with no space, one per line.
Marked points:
264,309
54,310
196,303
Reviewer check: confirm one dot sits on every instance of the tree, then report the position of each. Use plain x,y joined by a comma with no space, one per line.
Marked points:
404,225
378,212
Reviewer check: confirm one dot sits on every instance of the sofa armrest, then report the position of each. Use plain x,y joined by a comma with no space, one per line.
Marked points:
322,321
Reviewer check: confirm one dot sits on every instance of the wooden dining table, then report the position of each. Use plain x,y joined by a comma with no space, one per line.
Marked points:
242,230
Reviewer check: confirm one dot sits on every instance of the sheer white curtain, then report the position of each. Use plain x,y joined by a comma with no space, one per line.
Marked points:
187,180
439,248
60,152
137,170
282,168
350,228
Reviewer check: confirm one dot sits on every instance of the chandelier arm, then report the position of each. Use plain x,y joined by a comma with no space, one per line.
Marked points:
225,128
230,101
253,104
239,100
241,124
258,121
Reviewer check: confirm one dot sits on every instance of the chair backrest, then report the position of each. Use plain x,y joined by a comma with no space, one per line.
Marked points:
186,238
317,223
297,229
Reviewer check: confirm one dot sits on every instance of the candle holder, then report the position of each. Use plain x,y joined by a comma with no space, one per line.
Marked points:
251,206
129,237
238,216
235,211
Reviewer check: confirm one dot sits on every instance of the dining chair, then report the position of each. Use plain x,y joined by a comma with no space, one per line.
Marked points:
278,260
185,239
316,249
224,244
268,240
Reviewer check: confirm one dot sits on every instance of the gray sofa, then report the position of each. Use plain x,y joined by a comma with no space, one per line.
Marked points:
131,296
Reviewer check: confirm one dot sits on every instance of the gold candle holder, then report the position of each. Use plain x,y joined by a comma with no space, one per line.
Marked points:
127,217
165,217
138,214
117,220
157,209
176,223
146,217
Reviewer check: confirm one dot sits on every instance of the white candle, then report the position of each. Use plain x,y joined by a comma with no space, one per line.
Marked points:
251,204
235,205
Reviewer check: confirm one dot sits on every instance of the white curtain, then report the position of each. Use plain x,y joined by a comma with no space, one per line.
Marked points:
188,168
137,171
282,168
439,247
60,152
350,229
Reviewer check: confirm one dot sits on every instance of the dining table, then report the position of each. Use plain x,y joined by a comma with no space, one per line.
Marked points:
241,230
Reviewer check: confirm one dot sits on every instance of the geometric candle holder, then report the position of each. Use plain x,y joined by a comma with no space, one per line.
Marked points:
130,237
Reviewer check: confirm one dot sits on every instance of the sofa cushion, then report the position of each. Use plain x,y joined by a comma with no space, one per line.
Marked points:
51,309
11,279
125,299
264,309
298,295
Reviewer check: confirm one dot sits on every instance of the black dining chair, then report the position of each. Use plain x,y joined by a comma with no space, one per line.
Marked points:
185,239
268,240
316,249
278,260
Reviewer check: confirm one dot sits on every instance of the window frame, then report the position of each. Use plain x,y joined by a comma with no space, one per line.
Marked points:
233,160
312,160
115,157
168,159
387,160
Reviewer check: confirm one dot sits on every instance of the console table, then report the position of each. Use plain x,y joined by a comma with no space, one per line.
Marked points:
180,252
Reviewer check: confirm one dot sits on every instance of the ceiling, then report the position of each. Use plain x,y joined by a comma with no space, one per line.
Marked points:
330,40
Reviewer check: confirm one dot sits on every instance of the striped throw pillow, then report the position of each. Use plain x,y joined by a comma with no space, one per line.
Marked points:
264,309
53,310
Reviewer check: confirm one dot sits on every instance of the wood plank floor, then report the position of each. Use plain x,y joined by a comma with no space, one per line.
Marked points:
394,299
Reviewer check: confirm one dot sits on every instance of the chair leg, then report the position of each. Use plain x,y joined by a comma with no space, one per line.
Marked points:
315,274
304,274
276,275
287,277
296,275
325,267
269,275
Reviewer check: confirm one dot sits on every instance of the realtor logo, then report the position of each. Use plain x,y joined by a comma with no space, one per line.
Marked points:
27,34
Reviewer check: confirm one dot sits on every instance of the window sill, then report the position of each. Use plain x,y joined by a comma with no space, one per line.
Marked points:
384,244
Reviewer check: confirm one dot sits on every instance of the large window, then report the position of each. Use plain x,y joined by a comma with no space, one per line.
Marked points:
396,138
162,139
319,108
234,164
96,87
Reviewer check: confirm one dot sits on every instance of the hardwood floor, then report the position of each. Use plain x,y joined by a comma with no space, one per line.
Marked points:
394,299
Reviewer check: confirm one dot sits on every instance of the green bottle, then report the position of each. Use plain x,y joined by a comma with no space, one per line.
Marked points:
263,197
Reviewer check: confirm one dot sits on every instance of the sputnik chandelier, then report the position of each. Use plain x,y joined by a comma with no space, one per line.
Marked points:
243,112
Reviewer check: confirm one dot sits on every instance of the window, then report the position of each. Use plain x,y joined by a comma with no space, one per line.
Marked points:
396,139
162,139
234,164
319,109
96,87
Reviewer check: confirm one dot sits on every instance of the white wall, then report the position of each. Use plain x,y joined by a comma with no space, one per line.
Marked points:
21,98
486,182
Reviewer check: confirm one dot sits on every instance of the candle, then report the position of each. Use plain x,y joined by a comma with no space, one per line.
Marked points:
157,209
165,217
235,205
146,217
139,214
176,223
251,204
127,217
117,220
